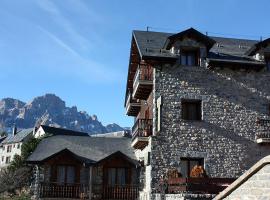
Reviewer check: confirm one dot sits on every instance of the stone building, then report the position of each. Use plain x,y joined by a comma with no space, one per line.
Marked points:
197,101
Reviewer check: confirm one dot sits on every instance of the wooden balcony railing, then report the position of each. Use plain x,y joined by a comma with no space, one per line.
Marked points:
143,82
125,192
142,128
263,131
132,105
54,190
198,185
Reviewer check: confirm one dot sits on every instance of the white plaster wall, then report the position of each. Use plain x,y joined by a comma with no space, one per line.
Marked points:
39,133
141,155
14,150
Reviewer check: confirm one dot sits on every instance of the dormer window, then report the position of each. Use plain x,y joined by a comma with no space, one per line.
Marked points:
189,57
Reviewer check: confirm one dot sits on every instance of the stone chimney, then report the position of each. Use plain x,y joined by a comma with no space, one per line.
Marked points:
14,131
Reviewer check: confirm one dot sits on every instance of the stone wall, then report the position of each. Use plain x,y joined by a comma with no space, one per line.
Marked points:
256,187
231,103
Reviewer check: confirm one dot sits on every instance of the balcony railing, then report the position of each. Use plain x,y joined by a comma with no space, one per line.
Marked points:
125,192
80,191
263,131
198,185
143,82
141,130
54,190
132,106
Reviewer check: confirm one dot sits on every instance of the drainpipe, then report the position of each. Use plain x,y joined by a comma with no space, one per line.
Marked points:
90,182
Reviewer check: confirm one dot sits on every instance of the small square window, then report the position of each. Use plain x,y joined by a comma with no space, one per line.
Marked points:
191,109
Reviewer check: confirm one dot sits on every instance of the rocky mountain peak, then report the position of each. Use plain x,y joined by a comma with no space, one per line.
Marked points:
50,109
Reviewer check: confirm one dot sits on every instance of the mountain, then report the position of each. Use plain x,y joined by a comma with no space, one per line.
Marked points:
49,110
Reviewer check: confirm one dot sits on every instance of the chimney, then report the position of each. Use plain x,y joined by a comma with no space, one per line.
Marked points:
14,131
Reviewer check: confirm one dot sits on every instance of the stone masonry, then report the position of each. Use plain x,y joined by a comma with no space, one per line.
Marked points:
232,100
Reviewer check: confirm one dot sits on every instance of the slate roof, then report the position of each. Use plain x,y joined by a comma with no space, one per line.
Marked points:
151,45
62,131
92,149
2,139
19,137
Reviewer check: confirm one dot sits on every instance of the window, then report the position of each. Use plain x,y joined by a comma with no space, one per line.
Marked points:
191,109
65,174
18,146
117,176
3,158
7,159
9,148
267,60
187,164
189,58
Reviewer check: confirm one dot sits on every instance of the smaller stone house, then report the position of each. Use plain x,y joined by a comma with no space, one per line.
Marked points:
253,184
11,145
80,167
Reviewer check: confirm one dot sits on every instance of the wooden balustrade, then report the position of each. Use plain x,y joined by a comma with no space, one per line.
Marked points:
125,192
80,191
54,190
263,131
143,82
142,128
198,185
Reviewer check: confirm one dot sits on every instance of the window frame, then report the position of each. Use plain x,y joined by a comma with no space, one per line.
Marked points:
116,175
186,53
201,162
9,148
65,167
8,159
267,62
185,103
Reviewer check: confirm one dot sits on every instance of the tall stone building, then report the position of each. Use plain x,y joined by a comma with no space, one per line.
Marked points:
197,101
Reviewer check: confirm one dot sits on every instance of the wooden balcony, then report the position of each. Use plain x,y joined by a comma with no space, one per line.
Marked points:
198,185
143,82
263,131
54,190
120,192
141,131
132,106
80,191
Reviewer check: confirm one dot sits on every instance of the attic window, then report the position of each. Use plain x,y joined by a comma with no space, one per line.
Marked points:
189,57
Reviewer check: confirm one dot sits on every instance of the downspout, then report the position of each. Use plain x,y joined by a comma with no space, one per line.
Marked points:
90,181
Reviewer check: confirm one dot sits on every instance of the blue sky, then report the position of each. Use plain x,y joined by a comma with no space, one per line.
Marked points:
79,49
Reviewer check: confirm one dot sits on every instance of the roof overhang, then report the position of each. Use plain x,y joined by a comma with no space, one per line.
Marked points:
122,155
83,160
255,65
257,47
